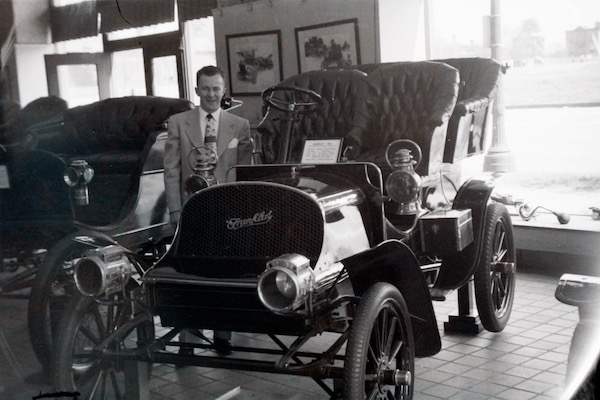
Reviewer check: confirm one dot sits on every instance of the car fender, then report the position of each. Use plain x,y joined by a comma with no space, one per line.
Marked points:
92,238
394,262
458,268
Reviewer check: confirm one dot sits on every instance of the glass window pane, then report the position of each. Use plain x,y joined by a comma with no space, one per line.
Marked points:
199,49
552,48
164,77
128,78
83,45
78,84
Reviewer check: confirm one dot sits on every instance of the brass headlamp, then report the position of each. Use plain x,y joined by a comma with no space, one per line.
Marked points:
78,175
203,162
404,184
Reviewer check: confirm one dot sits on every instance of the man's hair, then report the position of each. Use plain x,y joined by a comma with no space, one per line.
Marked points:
209,70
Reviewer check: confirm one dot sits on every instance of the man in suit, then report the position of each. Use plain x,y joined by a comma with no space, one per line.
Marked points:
198,128
188,130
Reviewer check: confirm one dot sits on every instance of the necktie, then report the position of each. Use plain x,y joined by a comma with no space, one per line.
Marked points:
210,133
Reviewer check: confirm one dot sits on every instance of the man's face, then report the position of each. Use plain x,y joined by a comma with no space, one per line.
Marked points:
211,90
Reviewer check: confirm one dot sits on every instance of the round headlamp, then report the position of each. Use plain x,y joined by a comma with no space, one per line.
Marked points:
195,183
79,172
285,284
403,186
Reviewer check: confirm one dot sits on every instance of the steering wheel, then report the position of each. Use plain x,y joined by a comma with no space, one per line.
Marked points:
303,100
392,150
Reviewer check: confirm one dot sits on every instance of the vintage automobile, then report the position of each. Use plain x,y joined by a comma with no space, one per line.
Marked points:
93,171
299,248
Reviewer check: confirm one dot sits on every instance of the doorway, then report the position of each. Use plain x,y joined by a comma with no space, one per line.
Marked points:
157,58
78,78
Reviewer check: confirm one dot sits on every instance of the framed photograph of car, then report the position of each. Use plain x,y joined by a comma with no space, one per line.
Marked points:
254,62
333,45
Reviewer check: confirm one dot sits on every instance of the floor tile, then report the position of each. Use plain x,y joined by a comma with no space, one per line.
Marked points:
526,361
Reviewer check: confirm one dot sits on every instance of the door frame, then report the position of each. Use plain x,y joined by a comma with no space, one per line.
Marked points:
152,46
100,60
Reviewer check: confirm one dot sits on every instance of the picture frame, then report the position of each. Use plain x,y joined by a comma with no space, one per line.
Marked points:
333,45
254,62
321,151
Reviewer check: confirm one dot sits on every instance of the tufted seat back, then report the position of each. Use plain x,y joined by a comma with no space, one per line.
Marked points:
119,123
339,90
114,136
479,80
408,100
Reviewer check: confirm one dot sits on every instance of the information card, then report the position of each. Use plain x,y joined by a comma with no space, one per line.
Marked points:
321,151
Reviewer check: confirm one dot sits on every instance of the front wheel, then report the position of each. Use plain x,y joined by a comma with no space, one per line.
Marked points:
94,334
495,275
380,355
52,288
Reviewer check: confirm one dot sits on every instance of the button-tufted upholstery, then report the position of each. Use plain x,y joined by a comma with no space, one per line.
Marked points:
339,89
408,100
111,135
119,123
479,80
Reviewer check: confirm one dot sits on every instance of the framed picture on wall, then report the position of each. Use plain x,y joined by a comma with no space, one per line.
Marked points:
333,45
254,62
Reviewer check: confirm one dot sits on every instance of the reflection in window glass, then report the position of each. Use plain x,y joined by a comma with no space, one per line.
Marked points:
552,48
200,50
164,73
83,45
165,27
78,84
128,78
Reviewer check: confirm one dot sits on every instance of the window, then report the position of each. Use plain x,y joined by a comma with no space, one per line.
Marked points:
551,91
199,49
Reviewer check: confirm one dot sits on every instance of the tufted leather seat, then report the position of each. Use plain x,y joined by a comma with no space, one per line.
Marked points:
111,135
479,80
408,100
339,90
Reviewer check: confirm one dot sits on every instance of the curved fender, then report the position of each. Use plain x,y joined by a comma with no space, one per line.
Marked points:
394,262
457,269
91,238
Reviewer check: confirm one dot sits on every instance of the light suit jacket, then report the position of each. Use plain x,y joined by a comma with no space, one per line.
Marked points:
233,147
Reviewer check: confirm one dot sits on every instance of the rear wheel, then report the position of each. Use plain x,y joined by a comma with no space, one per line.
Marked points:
495,275
380,352
89,332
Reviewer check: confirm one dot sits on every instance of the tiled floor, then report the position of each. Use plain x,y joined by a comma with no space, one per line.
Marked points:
525,361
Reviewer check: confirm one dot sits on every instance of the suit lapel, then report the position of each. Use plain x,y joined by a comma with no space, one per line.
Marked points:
226,132
192,128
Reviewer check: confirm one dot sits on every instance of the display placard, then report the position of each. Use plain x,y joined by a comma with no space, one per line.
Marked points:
321,151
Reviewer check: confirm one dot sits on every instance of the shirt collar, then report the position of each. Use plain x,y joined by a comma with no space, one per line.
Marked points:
215,114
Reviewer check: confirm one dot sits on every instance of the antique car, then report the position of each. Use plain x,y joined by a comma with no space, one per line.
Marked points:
318,241
92,171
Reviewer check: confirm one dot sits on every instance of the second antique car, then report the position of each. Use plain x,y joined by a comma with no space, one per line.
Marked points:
299,250
73,177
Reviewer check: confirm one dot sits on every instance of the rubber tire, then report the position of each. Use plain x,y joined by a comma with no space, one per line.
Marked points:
494,317
43,315
381,299
80,307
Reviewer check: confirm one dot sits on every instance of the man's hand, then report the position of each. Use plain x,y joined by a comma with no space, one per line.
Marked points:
175,218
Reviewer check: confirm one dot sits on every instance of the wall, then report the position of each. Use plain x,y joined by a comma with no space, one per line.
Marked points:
32,42
388,30
286,15
32,71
